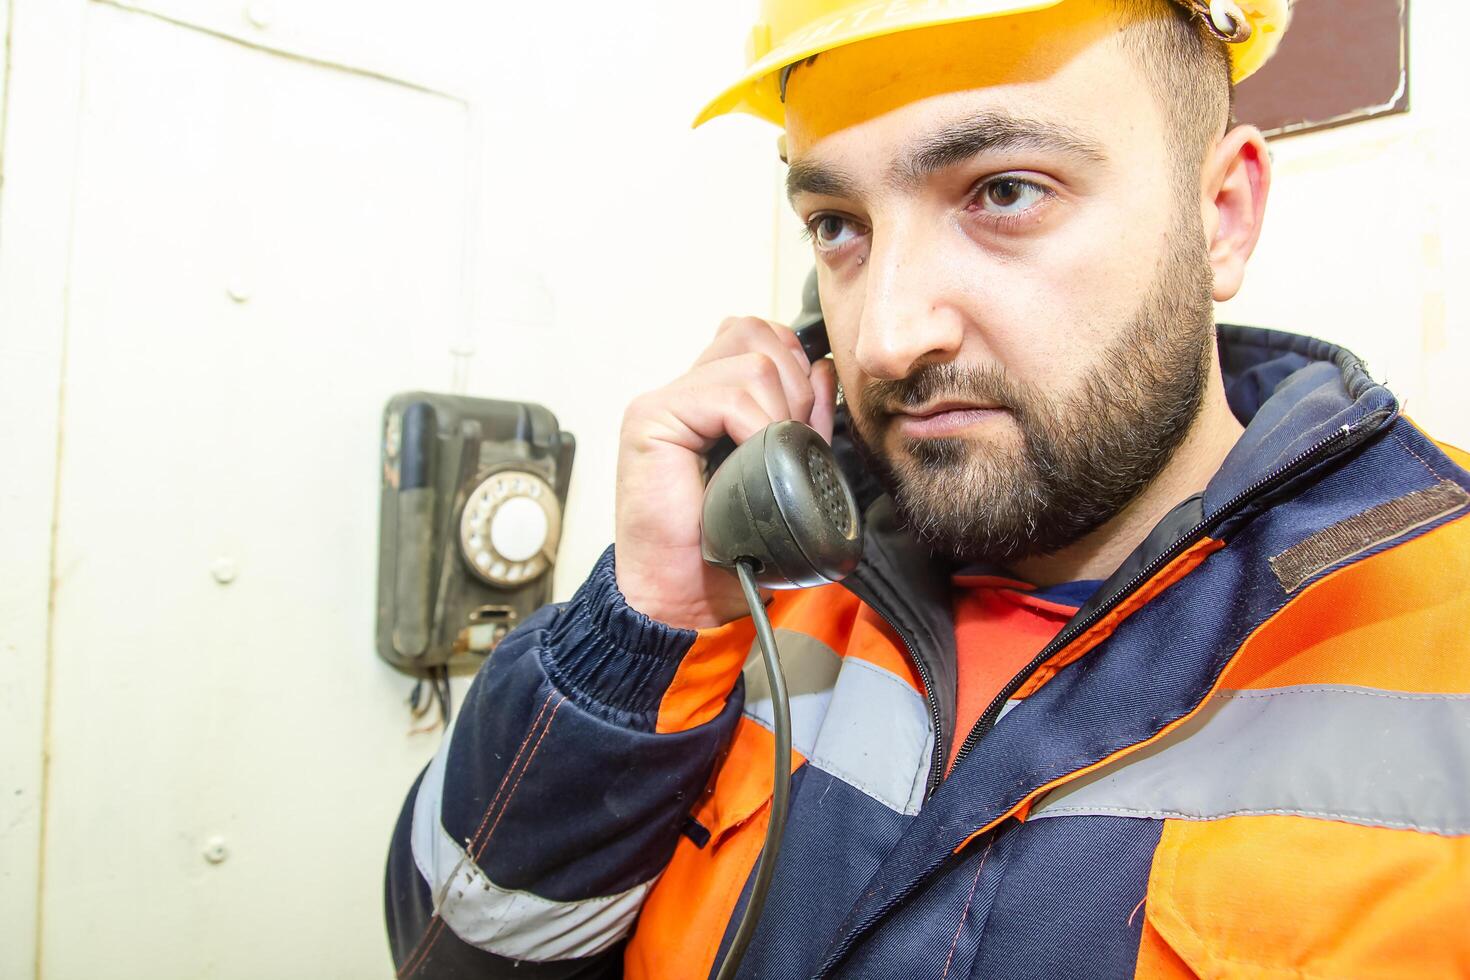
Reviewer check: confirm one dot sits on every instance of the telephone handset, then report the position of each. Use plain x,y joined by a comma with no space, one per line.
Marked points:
779,512
780,502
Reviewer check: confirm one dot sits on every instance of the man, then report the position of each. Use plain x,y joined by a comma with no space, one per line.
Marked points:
1154,663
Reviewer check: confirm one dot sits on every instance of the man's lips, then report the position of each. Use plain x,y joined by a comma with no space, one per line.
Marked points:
944,418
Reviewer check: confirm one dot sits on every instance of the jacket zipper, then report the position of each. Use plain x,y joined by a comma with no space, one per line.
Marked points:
936,760
1290,469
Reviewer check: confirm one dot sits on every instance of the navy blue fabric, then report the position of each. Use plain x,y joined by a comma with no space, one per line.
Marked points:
1254,362
1070,901
936,932
1068,593
1035,901
589,808
1439,466
1400,462
836,837
613,660
417,939
1310,405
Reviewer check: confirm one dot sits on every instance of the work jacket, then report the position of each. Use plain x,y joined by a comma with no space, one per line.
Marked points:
1247,755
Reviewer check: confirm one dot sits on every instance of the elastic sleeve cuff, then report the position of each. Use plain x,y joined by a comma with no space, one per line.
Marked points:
610,658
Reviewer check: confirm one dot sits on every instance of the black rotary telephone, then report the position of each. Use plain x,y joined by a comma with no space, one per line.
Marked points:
778,511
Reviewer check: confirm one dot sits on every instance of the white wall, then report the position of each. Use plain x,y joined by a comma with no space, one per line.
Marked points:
34,218
228,232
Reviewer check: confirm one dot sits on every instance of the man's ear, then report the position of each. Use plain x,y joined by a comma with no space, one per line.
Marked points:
1234,184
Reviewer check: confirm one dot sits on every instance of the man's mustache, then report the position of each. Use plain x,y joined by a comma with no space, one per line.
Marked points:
987,384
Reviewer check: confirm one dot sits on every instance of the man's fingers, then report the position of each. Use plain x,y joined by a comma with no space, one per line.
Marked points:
752,374
739,334
824,403
746,335
758,375
779,389
710,412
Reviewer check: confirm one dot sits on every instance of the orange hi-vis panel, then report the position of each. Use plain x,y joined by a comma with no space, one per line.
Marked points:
828,615
1397,608
687,914
1277,896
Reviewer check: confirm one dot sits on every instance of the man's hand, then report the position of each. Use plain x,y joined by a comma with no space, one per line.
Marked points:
752,374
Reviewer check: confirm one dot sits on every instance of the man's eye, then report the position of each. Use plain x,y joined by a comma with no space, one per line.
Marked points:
1009,195
831,231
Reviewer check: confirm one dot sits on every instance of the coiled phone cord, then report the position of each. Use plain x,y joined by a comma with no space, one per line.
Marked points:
780,775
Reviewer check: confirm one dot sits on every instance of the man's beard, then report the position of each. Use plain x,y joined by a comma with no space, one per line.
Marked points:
1084,456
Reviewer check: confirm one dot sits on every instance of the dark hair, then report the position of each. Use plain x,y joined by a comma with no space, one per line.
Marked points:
1189,69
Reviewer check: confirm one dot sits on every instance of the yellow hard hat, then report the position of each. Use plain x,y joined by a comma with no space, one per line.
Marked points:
790,31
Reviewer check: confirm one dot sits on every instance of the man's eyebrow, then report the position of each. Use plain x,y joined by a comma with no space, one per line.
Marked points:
990,133
811,177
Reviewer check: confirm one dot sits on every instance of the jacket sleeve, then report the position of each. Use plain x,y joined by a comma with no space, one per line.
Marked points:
527,846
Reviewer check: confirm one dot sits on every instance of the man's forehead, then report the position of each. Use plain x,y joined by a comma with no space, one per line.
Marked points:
1004,57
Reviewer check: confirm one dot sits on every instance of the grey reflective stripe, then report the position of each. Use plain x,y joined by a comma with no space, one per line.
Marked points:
850,718
1334,752
810,668
509,923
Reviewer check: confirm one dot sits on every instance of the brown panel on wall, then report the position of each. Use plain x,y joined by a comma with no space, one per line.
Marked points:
1341,61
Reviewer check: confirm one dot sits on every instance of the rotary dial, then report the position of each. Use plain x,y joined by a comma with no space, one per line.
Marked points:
509,529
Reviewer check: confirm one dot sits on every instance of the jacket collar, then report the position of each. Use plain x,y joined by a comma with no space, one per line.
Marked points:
1290,392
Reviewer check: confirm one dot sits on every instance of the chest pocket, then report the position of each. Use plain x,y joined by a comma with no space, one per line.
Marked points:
1292,896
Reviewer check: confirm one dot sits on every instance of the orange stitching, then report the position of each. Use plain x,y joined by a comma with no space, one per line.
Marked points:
1410,450
524,769
421,954
490,807
966,913
430,936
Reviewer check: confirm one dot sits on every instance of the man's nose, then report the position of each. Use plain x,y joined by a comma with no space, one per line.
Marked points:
908,316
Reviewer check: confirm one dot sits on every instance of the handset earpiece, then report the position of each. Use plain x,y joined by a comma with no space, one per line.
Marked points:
781,503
